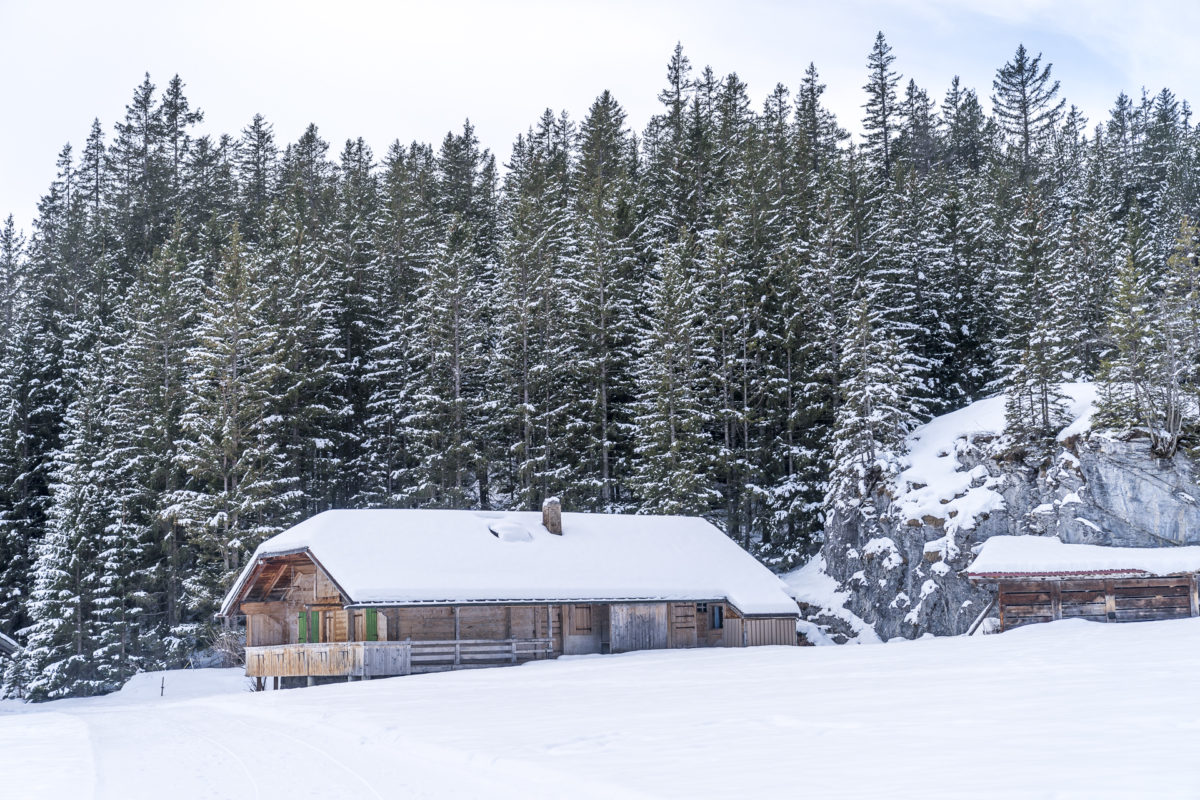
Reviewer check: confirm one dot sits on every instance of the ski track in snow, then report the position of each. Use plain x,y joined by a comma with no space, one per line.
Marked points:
1062,710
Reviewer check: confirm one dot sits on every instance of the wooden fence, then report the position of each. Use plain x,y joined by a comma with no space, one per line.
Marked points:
378,659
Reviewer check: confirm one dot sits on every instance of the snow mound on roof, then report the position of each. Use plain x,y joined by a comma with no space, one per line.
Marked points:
510,532
408,556
1004,555
934,482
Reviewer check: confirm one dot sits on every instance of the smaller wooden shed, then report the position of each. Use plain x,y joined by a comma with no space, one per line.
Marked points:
1040,579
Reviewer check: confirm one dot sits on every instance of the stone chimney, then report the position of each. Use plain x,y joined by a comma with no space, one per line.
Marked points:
552,515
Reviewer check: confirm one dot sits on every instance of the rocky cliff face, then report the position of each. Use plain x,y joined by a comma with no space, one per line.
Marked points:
902,571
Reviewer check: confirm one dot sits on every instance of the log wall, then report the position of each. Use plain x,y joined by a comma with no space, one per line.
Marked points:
1119,600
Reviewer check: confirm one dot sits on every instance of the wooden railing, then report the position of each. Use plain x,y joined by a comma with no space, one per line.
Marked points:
377,659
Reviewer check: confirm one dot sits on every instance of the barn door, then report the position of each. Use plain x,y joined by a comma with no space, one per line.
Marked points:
639,626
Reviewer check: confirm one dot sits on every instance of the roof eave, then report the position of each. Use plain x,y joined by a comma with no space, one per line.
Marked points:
1068,575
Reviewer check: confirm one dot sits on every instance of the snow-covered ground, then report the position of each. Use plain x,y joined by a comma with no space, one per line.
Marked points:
1063,710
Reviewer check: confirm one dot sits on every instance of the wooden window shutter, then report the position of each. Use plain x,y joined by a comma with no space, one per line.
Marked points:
302,628
314,626
582,620
372,616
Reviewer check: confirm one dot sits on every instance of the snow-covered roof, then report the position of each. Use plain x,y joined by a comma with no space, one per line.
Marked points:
8,646
405,556
1048,557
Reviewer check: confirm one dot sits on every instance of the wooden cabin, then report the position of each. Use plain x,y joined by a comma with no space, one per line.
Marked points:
1040,579
372,593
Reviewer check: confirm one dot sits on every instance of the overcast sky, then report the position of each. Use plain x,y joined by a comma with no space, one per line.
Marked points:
388,70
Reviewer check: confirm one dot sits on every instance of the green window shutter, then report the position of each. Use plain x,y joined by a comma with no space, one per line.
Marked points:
314,626
302,629
372,624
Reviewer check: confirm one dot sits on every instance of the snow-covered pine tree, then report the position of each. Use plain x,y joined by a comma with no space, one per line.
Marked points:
1036,347
141,179
735,264
235,478
406,230
880,123
672,472
809,288
532,372
1027,106
157,320
357,283
257,171
15,550
604,286
874,415
60,659
452,410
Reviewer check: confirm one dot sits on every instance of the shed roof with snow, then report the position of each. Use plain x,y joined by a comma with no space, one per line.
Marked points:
408,557
1046,557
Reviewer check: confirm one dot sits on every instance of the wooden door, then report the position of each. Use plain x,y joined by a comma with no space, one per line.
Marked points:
639,626
683,625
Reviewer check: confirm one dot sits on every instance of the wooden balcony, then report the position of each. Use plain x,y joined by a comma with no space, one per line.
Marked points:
379,659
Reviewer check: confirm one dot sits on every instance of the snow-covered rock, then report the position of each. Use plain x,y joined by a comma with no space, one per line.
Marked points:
963,484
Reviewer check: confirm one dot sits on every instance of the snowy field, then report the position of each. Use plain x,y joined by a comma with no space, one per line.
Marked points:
1065,710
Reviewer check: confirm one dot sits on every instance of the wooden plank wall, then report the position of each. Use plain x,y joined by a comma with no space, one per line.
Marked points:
731,634
638,626
1122,600
770,630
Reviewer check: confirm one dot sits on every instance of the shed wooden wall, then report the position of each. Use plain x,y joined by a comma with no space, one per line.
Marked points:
770,630
1121,600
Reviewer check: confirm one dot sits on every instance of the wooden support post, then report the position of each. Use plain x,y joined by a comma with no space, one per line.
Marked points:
1193,597
1055,600
1110,602
457,636
311,681
513,644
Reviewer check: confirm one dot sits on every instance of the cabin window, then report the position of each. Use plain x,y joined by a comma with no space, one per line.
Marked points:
717,617
581,621
701,608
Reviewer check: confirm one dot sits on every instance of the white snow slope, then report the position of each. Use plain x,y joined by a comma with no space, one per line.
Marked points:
1062,710
933,482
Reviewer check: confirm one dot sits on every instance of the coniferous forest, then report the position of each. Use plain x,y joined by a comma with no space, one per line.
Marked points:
738,312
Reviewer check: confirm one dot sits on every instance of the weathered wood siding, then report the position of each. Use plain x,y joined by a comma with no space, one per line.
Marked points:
770,630
264,629
731,634
1120,600
379,659
639,626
